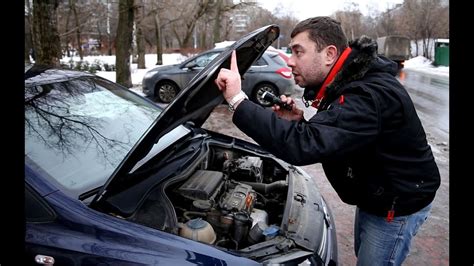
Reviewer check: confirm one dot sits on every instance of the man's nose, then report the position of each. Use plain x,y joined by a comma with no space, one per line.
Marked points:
291,62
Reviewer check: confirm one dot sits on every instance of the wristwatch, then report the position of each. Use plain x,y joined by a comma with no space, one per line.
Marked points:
237,98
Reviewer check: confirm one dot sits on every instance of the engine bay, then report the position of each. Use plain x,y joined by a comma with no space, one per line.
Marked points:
233,199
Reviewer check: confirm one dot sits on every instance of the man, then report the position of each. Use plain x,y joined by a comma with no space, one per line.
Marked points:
366,134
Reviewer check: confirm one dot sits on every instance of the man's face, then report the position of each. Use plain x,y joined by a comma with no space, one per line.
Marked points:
309,66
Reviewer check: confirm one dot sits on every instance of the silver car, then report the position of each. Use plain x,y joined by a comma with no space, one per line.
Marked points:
268,73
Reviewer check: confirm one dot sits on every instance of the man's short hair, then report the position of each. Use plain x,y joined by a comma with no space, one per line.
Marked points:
323,31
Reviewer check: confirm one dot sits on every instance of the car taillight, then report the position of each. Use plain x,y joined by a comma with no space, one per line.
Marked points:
284,56
284,72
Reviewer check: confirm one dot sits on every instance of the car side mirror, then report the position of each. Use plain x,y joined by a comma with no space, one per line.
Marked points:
191,65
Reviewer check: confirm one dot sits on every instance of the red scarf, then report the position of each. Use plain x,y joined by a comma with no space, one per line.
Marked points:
330,77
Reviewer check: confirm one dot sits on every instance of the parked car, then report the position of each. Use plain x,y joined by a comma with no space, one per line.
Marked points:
112,178
268,73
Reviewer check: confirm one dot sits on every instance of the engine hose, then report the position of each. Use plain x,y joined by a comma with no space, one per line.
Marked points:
187,214
266,188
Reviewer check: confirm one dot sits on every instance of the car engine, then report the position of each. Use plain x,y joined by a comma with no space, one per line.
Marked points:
229,208
232,200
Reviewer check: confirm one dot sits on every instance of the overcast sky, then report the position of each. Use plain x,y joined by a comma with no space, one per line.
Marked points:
302,9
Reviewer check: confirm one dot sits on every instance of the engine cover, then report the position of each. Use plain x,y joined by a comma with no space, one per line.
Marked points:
241,198
248,168
202,185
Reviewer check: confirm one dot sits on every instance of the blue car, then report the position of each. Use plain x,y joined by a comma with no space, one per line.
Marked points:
112,178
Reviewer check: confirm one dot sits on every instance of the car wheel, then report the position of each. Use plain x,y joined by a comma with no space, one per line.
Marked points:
258,92
166,91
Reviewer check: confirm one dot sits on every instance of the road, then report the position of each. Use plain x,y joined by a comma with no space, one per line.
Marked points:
430,95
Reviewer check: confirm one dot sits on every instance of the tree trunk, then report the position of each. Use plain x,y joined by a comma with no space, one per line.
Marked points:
140,38
124,43
99,32
109,38
159,42
72,5
28,34
217,23
202,37
134,43
202,8
188,35
68,53
140,48
47,46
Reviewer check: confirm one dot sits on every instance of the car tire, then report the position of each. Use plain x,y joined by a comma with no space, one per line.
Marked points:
260,89
166,91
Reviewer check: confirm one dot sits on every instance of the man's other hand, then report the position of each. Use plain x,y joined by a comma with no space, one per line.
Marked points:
294,114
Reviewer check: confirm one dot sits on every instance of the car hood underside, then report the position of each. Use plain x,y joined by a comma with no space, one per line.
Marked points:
194,104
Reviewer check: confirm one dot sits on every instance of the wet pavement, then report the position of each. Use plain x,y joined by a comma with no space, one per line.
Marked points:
431,245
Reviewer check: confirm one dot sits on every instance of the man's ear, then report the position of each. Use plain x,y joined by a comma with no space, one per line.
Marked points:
330,54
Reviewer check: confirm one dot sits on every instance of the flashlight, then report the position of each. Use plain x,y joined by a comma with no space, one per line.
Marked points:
270,97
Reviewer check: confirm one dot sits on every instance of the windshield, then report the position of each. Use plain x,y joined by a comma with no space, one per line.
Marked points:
203,60
78,131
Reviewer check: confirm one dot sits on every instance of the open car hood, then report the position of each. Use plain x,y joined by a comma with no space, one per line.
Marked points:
196,101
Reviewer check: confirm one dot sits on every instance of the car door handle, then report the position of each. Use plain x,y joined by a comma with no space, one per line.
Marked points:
43,259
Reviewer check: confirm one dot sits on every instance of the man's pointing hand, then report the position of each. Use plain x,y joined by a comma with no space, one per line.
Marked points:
228,80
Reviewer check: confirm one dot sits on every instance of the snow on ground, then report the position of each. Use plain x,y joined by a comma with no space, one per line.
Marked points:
137,74
422,64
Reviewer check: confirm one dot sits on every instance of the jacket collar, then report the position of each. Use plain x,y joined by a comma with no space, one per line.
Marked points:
330,77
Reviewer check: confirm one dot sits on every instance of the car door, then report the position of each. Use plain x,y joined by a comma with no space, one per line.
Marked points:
253,76
190,68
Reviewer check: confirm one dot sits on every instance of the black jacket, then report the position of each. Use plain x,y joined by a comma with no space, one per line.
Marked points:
370,141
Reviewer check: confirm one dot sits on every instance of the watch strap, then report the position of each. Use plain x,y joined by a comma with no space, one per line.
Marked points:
237,98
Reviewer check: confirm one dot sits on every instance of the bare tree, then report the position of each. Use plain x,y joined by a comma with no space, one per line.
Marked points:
139,37
387,23
422,20
109,31
28,32
221,9
45,33
351,20
262,17
217,22
286,23
67,37
72,6
80,21
124,34
152,20
189,15
159,44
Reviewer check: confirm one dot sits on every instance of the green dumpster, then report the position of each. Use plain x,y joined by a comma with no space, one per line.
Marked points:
442,52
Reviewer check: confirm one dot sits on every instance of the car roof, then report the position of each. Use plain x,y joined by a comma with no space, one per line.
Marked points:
39,75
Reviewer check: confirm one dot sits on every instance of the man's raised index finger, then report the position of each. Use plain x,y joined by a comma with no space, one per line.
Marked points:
233,62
